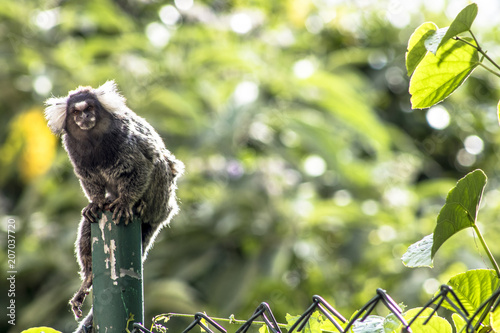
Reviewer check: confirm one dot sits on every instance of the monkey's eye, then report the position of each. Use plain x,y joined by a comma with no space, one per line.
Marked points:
75,111
89,108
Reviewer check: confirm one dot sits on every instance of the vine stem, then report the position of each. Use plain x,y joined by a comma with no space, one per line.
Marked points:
230,320
486,248
480,50
489,69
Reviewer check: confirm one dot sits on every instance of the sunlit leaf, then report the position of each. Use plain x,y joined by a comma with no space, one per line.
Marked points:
204,322
313,325
461,23
461,208
498,111
419,253
458,321
438,76
473,288
163,317
435,325
434,40
264,329
391,323
420,324
416,45
40,330
372,324
495,319
290,320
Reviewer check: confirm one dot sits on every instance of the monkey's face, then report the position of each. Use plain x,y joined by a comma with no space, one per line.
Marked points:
84,114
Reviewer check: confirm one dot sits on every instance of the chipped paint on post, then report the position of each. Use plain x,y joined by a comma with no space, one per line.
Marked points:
102,223
117,274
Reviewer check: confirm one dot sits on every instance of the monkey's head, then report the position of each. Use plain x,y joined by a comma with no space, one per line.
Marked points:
84,108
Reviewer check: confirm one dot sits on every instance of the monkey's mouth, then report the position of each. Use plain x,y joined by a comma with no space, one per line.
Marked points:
86,125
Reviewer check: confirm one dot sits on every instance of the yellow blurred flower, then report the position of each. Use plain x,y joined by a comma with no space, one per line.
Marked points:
30,147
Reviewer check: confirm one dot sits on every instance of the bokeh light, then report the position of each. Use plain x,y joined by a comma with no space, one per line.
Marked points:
241,23
303,68
438,117
158,34
473,144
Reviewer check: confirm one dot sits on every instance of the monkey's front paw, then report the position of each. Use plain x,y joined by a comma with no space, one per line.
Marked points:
76,303
121,211
91,211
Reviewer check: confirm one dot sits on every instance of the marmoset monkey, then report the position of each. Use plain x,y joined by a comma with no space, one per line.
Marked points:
122,165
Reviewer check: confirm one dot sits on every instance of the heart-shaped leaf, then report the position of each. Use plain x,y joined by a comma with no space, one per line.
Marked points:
437,76
419,253
460,209
416,46
434,41
473,288
461,23
459,212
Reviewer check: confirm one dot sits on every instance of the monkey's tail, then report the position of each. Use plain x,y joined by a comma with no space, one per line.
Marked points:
85,325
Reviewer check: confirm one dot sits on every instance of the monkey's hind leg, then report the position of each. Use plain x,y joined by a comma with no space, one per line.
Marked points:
84,255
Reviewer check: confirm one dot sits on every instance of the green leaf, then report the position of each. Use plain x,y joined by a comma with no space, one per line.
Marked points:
314,324
495,319
372,324
461,208
290,320
461,23
434,41
498,111
40,330
438,76
204,322
162,317
458,321
459,212
416,46
391,323
419,253
435,325
473,288
264,329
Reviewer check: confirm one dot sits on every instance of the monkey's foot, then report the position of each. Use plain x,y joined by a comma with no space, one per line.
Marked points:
140,207
90,212
76,303
121,211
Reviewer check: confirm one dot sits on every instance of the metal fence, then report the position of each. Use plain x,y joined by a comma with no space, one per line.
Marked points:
263,311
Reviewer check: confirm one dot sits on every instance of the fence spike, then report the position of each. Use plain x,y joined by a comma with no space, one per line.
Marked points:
446,293
389,303
198,321
318,302
261,311
440,298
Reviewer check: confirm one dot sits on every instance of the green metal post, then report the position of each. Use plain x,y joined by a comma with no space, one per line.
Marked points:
117,275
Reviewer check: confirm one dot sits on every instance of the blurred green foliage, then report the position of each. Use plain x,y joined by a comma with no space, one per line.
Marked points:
307,172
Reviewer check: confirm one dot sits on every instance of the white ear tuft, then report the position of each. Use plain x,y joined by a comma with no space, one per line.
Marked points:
110,98
55,113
